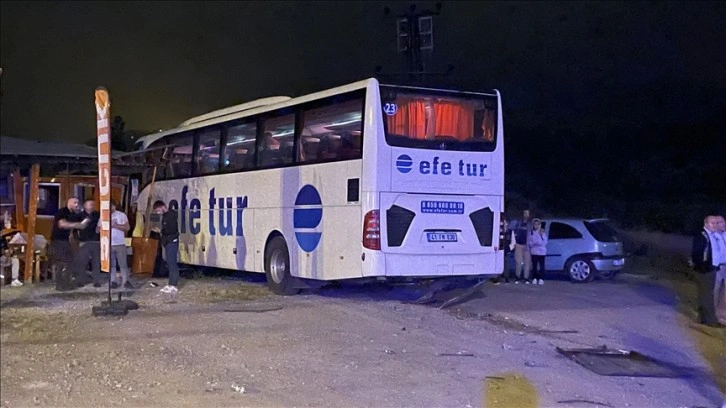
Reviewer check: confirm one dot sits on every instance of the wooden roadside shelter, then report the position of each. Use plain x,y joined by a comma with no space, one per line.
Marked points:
36,180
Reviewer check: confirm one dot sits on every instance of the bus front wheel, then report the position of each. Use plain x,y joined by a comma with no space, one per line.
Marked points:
277,267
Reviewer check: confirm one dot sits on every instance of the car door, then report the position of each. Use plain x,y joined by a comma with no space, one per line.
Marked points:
561,244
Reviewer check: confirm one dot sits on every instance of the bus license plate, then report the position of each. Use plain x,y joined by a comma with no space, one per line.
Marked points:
441,237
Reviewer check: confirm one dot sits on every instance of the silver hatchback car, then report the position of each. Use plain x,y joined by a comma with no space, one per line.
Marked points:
583,248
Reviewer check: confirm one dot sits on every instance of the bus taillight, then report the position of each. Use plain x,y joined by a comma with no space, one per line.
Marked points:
372,230
502,230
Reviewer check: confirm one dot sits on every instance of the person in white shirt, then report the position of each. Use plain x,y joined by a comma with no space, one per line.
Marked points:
537,243
719,242
705,257
10,259
119,227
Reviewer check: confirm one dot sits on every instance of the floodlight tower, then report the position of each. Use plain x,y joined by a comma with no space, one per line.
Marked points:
414,39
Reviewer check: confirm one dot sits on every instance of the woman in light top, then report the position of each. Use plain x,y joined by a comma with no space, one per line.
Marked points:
538,248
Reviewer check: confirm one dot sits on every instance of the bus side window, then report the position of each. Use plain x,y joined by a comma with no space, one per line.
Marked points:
208,153
333,131
155,155
352,146
239,152
275,148
309,147
180,162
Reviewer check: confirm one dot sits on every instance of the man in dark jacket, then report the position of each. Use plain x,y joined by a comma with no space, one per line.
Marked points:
169,241
702,257
521,229
61,253
89,245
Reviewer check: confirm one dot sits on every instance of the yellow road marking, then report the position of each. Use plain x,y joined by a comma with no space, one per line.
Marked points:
509,390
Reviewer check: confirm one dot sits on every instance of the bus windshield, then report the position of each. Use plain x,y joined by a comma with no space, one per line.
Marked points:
425,119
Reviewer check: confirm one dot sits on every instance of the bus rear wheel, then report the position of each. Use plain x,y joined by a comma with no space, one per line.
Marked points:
277,267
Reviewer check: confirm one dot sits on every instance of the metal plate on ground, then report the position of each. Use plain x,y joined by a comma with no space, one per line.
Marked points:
108,311
610,362
126,304
115,308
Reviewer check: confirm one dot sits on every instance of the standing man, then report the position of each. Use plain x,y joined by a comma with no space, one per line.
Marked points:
719,290
89,247
508,247
705,256
60,252
119,227
169,241
522,257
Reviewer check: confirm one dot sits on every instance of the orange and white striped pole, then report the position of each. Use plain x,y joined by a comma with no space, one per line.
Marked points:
103,113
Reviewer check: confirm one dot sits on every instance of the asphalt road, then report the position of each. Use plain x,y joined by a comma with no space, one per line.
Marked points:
346,346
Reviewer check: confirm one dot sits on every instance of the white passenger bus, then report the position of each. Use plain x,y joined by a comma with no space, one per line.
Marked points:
359,181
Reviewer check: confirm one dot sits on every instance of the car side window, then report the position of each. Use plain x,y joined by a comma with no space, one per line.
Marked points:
559,230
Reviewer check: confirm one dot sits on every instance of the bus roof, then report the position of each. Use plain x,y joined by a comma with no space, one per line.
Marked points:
235,109
248,109
419,88
269,104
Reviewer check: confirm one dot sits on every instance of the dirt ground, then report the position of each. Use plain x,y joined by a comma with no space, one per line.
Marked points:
355,346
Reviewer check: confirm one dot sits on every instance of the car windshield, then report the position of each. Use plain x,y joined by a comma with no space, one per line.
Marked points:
602,231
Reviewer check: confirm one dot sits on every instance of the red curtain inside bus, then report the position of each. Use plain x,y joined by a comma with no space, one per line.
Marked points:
487,126
426,118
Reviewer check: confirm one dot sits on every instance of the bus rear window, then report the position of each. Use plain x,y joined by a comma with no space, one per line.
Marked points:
444,121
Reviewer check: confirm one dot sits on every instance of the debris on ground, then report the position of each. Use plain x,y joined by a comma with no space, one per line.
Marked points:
582,401
248,308
457,354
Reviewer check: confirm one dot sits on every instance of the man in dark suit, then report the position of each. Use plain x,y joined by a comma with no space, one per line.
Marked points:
89,247
702,256
169,241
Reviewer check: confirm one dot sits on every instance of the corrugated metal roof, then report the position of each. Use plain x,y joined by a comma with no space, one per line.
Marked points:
13,146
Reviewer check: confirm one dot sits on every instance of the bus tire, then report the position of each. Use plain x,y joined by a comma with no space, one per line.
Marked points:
277,267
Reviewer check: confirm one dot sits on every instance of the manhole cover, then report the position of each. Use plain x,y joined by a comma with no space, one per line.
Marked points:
610,362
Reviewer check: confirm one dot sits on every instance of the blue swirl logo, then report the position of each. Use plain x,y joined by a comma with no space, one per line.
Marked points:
404,163
307,215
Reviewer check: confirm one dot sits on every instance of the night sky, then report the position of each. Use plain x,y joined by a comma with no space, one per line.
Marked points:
569,64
